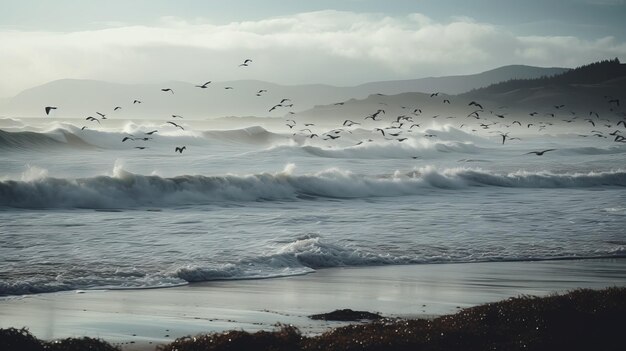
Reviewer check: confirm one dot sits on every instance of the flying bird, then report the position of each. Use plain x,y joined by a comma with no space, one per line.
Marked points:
168,89
90,118
117,108
434,94
203,86
152,132
175,125
127,138
177,116
539,153
474,103
136,102
49,108
245,63
180,149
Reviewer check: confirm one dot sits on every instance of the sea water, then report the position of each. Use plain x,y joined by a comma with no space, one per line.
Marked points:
80,209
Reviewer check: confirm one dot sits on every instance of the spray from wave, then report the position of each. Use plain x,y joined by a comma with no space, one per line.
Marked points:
127,190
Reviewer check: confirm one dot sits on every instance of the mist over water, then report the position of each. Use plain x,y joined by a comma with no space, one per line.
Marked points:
80,209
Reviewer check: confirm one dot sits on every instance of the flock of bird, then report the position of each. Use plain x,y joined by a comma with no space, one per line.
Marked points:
400,127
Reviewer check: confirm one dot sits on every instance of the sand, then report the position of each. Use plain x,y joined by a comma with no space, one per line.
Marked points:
153,316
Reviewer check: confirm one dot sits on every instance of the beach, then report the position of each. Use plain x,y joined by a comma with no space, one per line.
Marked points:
147,317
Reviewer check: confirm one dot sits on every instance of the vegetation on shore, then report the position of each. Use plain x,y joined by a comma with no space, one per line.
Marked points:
579,320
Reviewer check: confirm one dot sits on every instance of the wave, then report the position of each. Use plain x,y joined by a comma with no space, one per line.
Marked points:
128,190
298,257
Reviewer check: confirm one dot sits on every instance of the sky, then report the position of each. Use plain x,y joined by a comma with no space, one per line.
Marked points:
341,42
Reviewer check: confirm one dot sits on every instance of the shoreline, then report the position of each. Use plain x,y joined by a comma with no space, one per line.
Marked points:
158,316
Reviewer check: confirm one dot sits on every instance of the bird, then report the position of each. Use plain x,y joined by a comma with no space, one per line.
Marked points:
83,128
339,103
228,88
262,91
175,125
180,149
177,116
49,108
245,63
504,136
90,118
446,101
539,153
434,94
203,86
274,107
533,113
136,102
518,122
151,132
168,89
332,136
380,130
559,106
349,123
474,103
127,138
117,108
140,147
101,115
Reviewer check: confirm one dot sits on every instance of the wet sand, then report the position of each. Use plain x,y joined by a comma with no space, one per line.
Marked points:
154,316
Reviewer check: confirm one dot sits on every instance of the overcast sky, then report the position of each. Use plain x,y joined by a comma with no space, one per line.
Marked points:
340,42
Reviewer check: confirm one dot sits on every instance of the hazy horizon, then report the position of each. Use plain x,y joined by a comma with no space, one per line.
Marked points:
344,43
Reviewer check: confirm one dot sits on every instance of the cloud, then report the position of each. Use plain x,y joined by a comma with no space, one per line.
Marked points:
342,48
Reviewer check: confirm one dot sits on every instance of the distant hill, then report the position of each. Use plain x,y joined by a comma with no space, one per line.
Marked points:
583,88
579,92
81,98
453,85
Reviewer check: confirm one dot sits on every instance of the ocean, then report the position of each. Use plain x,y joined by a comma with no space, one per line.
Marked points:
80,209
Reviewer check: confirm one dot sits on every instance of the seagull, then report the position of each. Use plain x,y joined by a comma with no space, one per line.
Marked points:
136,102
83,128
127,138
48,108
504,136
284,100
474,103
446,101
381,130
339,103
228,88
117,108
175,125
152,132
177,116
539,153
274,107
101,115
140,147
92,119
203,86
245,63
349,123
168,89
180,149
434,94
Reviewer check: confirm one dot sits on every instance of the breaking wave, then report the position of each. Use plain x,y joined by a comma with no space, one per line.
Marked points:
128,190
